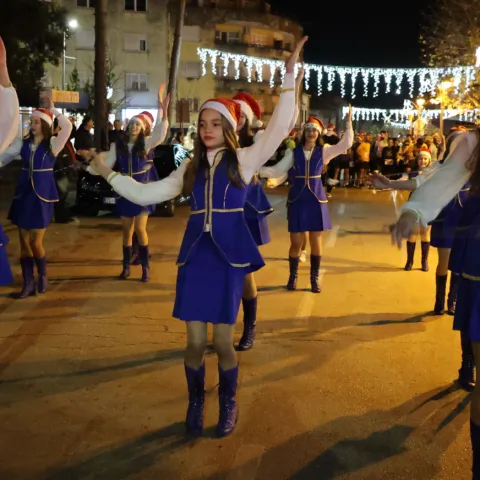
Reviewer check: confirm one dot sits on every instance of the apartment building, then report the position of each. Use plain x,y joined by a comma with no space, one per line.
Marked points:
138,48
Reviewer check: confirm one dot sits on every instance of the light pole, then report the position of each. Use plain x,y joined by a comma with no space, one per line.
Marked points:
72,25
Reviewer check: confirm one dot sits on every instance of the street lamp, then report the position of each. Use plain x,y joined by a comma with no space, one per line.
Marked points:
72,25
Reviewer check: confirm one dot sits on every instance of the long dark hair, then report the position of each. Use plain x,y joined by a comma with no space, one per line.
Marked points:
245,135
47,134
138,148
200,160
474,165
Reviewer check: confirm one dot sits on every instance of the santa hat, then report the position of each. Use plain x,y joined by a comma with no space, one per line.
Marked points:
425,151
314,122
145,118
228,108
249,106
43,114
330,130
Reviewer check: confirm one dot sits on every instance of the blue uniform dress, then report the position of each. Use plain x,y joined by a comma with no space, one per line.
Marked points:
465,261
444,226
217,250
140,169
6,277
32,206
307,203
257,207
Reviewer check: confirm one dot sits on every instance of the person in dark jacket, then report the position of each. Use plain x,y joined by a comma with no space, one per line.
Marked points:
83,137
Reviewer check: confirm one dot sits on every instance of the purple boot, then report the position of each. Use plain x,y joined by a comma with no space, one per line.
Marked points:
475,439
441,286
452,294
28,288
42,274
410,255
315,272
145,260
425,250
292,279
249,324
196,399
127,255
227,391
466,374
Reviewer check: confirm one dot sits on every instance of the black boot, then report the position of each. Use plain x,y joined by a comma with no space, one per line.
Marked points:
441,282
452,294
410,255
466,374
28,288
292,279
196,399
42,274
425,250
145,260
249,324
227,391
135,260
314,272
475,438
127,255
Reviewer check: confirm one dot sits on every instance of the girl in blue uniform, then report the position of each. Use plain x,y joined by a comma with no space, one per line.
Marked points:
257,207
32,207
9,121
426,203
307,202
218,250
132,155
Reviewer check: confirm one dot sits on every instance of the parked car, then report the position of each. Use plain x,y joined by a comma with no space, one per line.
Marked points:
94,193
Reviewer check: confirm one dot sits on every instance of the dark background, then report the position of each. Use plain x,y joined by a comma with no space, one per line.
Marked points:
366,34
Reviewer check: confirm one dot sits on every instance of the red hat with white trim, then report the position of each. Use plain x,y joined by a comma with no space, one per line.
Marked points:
43,114
249,106
425,151
226,107
145,118
314,122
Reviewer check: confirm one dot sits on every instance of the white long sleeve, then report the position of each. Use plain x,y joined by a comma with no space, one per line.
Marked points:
449,178
159,133
280,168
253,157
149,193
9,117
332,151
11,153
58,143
296,111
110,159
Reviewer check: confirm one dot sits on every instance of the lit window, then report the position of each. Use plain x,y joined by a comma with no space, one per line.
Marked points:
136,5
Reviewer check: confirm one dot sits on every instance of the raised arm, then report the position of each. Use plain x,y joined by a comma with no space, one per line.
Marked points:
109,159
161,125
9,107
11,153
142,193
333,151
63,136
252,158
280,168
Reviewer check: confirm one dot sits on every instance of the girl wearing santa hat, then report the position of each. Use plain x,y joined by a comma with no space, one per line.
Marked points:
257,207
427,201
32,207
307,201
218,250
132,155
9,121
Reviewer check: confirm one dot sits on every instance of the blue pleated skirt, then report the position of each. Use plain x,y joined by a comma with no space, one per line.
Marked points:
6,277
30,212
307,214
208,288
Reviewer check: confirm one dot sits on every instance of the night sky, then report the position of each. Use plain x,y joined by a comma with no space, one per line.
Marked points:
376,33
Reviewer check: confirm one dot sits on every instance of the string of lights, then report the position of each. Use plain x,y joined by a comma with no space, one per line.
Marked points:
391,79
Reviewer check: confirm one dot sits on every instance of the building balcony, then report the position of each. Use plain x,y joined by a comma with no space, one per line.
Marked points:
240,46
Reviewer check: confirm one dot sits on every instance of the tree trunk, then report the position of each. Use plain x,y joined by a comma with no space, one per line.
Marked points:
175,59
100,74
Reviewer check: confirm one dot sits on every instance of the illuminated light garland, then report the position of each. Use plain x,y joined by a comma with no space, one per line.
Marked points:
428,78
406,112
